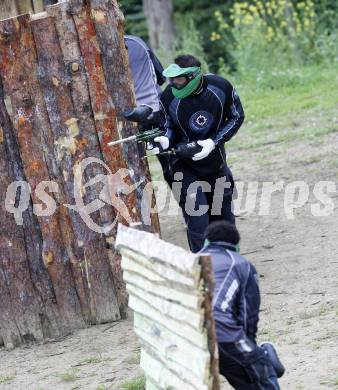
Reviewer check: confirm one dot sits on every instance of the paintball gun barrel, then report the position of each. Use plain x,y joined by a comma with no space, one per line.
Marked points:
138,115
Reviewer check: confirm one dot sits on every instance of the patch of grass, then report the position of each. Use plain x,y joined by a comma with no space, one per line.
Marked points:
266,335
92,360
289,112
6,378
101,387
138,383
291,321
293,341
322,310
330,383
306,324
133,359
69,375
327,336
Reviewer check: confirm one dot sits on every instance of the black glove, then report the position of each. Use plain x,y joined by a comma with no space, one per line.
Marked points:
184,150
151,122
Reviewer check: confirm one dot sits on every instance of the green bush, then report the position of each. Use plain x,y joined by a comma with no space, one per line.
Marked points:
273,40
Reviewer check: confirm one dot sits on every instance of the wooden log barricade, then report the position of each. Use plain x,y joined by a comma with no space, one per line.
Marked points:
64,84
170,292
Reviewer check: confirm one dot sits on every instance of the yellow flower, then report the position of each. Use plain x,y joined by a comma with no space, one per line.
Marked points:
215,36
223,26
248,19
253,9
269,34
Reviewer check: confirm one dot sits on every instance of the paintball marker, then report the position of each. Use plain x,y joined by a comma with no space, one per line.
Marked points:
184,150
139,114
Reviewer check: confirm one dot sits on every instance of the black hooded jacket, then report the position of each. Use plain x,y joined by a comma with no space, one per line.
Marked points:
213,111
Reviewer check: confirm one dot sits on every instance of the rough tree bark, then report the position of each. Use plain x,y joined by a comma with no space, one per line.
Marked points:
18,69
109,27
88,145
25,6
19,303
8,8
60,104
38,5
55,82
162,32
208,286
11,8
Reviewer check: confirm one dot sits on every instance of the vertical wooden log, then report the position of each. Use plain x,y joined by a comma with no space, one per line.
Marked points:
9,332
19,303
25,6
105,121
8,8
208,285
28,237
102,105
71,52
19,73
108,22
72,142
38,6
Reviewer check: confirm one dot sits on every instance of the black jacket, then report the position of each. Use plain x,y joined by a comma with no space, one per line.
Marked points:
236,298
214,111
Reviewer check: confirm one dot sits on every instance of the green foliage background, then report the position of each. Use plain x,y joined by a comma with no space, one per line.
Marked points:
267,44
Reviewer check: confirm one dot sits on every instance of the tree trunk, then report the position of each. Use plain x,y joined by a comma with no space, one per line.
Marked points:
162,32
18,70
25,6
38,6
8,8
31,234
109,27
80,95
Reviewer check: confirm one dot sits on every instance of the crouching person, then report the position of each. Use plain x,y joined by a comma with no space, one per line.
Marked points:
236,305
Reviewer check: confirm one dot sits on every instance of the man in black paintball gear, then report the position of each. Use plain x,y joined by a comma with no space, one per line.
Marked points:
236,303
201,111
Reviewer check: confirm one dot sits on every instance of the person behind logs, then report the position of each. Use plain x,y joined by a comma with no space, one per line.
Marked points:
203,111
236,302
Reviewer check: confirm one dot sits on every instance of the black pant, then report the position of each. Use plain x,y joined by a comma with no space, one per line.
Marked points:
164,160
255,373
203,199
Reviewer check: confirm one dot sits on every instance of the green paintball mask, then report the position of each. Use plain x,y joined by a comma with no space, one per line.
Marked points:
192,75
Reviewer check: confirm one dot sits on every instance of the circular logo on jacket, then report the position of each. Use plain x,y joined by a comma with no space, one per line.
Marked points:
201,122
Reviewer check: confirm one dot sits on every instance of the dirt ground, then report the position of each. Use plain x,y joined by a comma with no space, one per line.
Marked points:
297,260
